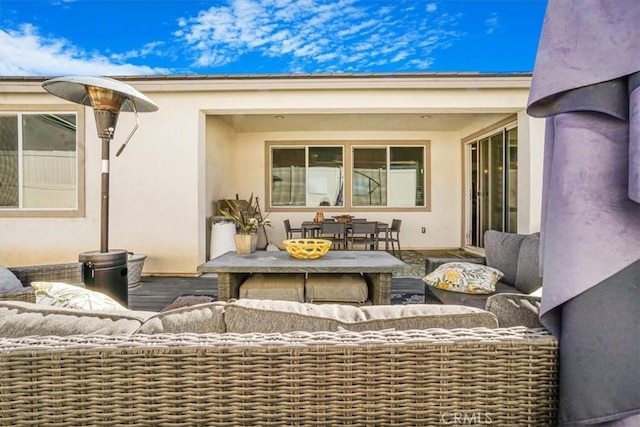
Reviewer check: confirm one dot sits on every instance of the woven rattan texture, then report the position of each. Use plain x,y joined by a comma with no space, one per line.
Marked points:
66,273
399,378
26,294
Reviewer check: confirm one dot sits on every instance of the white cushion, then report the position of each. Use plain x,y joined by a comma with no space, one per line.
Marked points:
21,319
70,296
264,316
465,277
195,319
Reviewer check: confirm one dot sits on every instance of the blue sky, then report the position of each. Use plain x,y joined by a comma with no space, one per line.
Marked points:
175,37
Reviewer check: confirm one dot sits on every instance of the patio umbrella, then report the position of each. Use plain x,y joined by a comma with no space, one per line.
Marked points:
586,82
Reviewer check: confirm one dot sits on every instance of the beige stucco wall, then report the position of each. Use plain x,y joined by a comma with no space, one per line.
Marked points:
530,164
442,223
154,203
183,157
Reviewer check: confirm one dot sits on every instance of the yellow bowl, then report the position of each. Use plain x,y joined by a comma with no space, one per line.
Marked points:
307,248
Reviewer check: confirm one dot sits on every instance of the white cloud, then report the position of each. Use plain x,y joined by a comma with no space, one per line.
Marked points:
153,48
305,35
26,53
327,34
492,24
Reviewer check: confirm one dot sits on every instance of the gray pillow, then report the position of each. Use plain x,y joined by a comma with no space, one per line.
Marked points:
8,280
501,250
528,278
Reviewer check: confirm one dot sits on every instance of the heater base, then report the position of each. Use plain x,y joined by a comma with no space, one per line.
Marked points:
107,272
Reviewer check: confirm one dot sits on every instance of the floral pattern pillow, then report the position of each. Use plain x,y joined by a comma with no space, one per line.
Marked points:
70,296
464,277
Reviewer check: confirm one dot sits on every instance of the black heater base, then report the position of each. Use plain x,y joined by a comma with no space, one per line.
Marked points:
107,272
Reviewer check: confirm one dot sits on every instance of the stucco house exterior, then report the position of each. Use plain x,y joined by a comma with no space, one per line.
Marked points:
449,154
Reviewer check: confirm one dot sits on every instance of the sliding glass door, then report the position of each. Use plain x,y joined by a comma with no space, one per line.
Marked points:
492,186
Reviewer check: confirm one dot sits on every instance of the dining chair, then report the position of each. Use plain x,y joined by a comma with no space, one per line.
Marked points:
393,236
335,231
364,233
289,231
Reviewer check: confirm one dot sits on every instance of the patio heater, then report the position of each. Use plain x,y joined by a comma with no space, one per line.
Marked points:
104,270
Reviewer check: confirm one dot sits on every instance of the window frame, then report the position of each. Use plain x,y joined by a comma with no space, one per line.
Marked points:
348,146
79,209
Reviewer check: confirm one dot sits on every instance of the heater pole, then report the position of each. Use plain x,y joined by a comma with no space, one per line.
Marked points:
104,217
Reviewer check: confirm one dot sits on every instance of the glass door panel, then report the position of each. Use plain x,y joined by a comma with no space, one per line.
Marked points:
512,180
492,186
496,183
474,195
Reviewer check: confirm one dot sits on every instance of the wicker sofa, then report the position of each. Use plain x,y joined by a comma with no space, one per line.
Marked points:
386,376
71,273
515,255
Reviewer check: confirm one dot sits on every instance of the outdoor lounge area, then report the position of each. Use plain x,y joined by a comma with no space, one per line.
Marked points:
177,355
514,187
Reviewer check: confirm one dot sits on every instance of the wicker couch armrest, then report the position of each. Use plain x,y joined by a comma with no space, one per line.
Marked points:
431,263
26,294
71,273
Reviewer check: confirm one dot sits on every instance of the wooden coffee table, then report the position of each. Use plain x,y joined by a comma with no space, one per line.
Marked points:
376,266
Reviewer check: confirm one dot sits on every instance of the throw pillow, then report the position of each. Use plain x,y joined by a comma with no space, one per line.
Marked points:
464,277
71,296
8,280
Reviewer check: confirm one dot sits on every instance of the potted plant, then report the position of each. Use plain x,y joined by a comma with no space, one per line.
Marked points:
248,219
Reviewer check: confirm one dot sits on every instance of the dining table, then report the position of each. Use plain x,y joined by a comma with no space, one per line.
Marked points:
311,229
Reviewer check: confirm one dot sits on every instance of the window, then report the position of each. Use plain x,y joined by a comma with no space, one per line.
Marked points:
350,175
402,186
307,176
39,162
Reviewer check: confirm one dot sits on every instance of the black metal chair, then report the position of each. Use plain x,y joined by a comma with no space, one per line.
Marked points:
289,231
364,233
393,236
335,231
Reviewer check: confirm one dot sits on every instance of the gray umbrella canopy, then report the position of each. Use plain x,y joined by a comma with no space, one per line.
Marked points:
586,83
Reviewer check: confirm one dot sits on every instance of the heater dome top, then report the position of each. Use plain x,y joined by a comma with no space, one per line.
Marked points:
75,89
